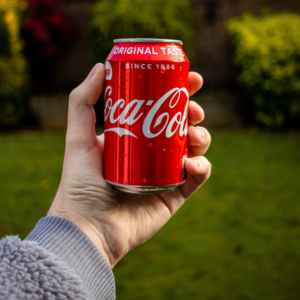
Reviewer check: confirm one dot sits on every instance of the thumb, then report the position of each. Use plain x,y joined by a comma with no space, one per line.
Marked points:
81,115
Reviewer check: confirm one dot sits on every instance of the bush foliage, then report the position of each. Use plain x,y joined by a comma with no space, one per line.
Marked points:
267,52
13,77
113,19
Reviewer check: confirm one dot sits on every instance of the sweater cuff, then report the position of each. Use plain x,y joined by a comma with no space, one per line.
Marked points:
73,246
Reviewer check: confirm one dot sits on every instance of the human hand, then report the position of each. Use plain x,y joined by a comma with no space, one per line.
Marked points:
115,221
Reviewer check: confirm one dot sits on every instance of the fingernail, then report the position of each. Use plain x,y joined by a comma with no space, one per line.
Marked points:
92,73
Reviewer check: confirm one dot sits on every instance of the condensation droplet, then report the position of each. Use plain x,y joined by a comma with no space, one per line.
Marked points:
164,150
131,43
148,131
144,180
179,59
140,77
162,71
124,155
143,120
150,145
180,68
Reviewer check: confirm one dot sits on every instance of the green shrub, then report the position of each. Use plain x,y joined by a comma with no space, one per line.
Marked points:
13,77
113,19
267,52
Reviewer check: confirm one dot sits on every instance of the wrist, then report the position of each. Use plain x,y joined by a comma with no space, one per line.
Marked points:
89,229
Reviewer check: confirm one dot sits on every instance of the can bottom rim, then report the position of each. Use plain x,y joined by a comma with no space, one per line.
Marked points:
134,189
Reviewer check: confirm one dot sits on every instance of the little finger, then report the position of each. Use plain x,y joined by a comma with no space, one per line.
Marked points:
199,170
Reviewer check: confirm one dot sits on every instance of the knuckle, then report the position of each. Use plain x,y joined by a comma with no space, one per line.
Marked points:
202,113
205,137
205,131
76,96
73,95
208,136
208,170
194,103
204,161
206,165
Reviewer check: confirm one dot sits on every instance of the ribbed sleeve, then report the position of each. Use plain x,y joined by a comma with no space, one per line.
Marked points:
73,246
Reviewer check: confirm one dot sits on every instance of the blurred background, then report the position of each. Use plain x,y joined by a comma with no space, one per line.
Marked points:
238,237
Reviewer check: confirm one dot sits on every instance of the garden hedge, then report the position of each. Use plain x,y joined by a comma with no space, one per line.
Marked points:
13,76
267,53
112,19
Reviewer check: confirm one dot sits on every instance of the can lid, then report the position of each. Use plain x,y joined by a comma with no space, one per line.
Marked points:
138,40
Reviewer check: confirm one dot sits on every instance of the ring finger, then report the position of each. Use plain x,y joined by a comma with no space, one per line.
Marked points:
199,141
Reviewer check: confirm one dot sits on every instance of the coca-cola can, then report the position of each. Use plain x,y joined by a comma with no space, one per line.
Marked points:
146,115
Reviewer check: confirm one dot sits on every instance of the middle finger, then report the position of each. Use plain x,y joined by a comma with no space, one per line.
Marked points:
196,113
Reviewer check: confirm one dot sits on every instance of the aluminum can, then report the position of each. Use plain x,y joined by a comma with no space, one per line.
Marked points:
146,115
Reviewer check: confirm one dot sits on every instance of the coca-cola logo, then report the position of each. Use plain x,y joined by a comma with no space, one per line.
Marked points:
108,70
167,125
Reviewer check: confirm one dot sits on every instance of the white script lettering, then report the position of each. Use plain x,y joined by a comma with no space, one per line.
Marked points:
132,112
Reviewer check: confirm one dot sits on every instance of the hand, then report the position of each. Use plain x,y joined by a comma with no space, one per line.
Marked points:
115,221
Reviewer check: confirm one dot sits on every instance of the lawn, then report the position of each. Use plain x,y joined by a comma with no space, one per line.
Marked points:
238,237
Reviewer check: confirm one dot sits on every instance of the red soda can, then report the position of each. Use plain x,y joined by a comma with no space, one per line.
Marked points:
146,115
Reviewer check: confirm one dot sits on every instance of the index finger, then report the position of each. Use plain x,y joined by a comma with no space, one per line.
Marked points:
196,82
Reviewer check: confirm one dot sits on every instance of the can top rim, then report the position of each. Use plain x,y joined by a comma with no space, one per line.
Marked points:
129,40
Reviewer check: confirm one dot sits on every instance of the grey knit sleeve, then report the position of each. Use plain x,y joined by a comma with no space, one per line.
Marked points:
29,272
74,247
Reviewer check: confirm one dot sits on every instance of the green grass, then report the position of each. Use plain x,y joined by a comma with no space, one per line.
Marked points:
30,170
238,237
